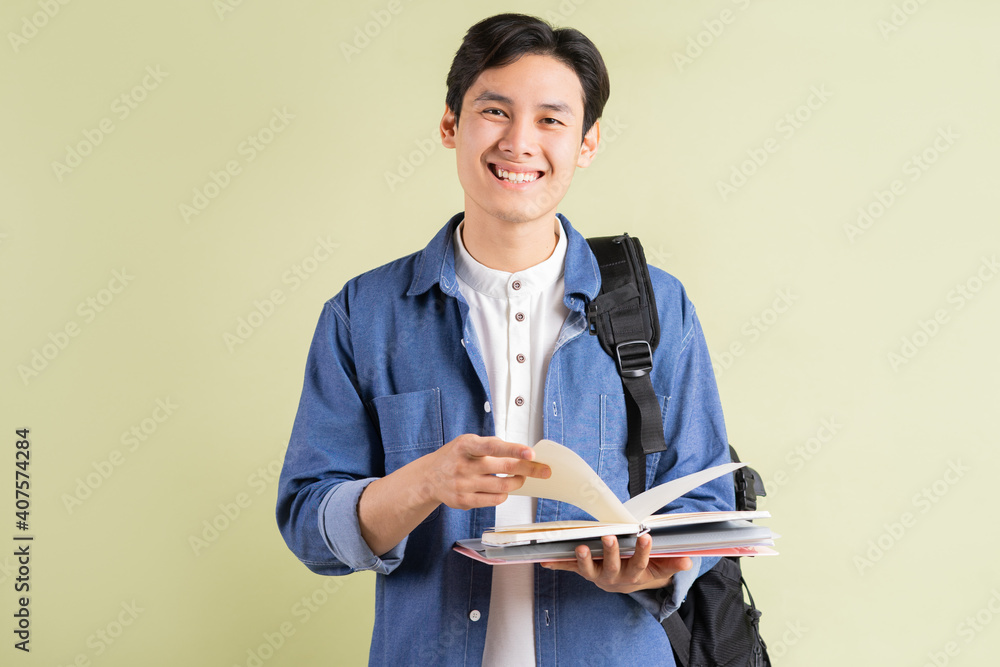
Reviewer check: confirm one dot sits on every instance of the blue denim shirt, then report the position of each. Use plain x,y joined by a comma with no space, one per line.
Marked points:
394,372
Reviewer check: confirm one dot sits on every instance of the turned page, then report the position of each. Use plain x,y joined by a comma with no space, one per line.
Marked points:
575,482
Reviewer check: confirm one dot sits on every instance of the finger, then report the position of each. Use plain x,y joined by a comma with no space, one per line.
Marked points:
585,563
511,466
473,500
611,565
493,446
565,565
639,560
668,566
495,484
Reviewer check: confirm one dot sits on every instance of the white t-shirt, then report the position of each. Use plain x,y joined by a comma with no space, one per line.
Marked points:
517,318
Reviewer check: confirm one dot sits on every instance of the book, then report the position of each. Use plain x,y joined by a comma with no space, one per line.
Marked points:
574,481
742,540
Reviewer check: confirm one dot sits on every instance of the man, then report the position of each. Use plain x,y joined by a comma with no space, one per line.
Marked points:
428,378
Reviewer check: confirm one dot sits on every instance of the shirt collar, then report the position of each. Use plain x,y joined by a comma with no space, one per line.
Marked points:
495,283
435,265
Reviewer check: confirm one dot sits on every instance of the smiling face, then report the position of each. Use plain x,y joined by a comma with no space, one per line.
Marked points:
518,140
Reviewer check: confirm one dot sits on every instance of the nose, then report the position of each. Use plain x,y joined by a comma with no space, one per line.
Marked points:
519,138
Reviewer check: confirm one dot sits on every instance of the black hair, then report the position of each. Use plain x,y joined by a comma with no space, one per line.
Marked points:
499,40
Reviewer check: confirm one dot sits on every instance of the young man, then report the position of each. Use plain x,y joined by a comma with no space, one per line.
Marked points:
428,378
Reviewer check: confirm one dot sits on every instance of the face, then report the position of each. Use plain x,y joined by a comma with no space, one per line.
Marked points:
523,120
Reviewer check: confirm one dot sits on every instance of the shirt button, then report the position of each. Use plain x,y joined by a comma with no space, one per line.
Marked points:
474,615
516,284
486,406
518,401
519,317
520,358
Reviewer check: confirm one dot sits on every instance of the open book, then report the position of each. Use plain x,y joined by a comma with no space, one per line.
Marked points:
574,481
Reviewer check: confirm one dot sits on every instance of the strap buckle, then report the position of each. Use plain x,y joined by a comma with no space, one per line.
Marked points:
592,316
637,361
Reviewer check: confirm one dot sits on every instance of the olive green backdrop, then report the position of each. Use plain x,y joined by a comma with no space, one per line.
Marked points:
184,184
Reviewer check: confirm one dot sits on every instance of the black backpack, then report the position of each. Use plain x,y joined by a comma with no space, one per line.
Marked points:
715,626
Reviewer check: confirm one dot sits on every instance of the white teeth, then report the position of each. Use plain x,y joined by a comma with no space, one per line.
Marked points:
518,177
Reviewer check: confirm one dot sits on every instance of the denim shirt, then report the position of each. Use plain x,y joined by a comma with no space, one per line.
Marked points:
394,372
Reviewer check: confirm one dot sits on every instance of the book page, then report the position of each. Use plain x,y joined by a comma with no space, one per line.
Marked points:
575,482
649,501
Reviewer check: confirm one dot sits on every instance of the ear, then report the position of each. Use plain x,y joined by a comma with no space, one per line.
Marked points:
449,123
588,149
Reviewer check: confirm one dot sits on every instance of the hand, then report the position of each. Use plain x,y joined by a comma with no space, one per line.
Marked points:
617,575
462,473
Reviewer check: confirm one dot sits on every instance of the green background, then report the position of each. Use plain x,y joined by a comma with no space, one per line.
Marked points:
871,572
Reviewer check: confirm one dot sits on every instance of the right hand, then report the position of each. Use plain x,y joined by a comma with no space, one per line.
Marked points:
462,473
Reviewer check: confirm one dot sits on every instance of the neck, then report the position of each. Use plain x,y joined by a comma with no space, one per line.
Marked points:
507,246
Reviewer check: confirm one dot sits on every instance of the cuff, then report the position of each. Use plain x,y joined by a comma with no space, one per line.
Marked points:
339,526
662,602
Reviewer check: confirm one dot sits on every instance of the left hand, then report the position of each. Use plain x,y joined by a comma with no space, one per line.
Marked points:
617,575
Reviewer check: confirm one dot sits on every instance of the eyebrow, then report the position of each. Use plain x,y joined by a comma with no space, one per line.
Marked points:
490,96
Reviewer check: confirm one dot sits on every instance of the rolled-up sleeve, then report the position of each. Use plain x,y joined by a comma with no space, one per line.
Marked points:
334,452
338,517
661,602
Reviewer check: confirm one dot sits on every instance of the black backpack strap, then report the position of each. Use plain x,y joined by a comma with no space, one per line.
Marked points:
623,317
680,638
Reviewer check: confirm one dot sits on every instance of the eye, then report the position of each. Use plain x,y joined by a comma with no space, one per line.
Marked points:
554,121
487,111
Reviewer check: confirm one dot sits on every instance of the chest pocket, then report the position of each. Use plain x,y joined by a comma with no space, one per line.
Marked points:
613,464
410,425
